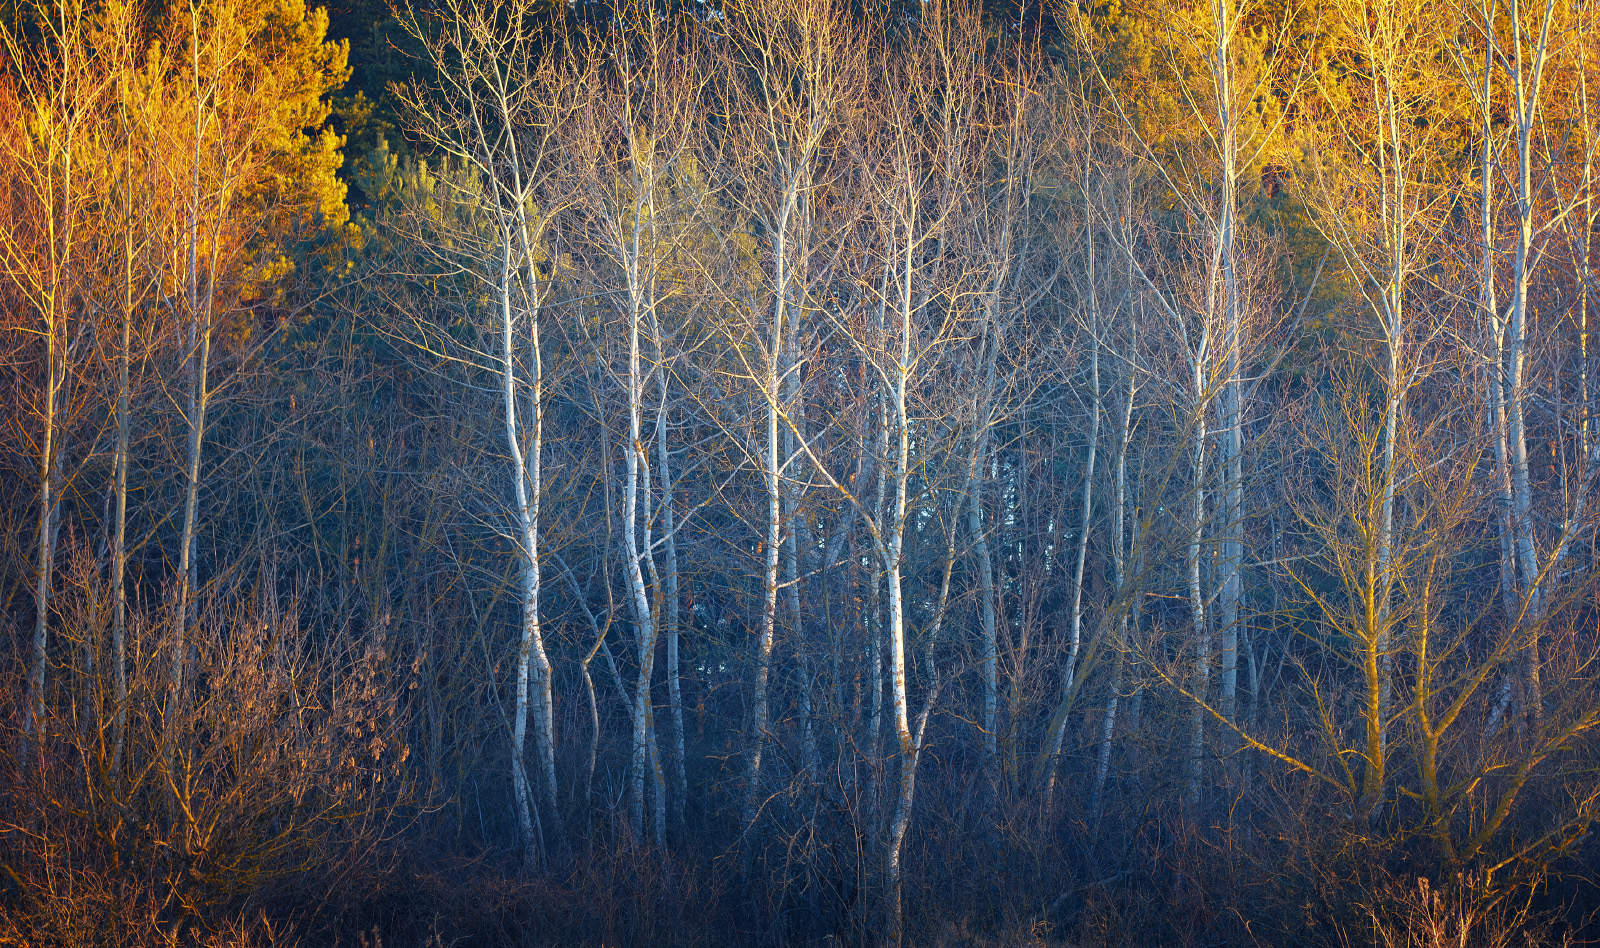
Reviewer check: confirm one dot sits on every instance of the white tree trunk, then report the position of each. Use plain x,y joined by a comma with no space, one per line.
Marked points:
1197,598
644,617
989,650
1069,682
669,527
1231,462
1119,568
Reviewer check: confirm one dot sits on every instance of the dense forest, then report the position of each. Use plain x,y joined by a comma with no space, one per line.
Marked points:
798,472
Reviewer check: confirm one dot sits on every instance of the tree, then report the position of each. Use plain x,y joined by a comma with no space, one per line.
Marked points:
635,148
1378,183
497,112
49,108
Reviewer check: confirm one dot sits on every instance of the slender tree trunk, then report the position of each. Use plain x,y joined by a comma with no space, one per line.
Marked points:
987,628
531,502
797,549
1197,599
1494,370
1231,463
527,513
876,644
594,728
1527,82
1018,670
1577,486
802,644
1119,567
897,665
1069,681
1392,315
644,617
197,363
669,527
54,185
1588,449
49,503
119,530
658,782
771,548
893,560
658,778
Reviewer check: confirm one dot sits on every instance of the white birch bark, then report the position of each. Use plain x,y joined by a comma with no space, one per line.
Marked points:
1231,403
897,629
643,615
1524,64
771,473
1120,578
1489,309
988,630
1192,564
49,504
1527,81
669,529
528,549
530,473
658,782
1069,682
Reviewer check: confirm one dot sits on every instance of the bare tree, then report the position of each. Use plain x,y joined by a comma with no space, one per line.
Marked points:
499,110
55,97
638,136
1378,186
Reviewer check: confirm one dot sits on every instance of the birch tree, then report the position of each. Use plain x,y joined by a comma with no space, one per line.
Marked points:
793,70
498,111
912,298
638,135
1520,46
